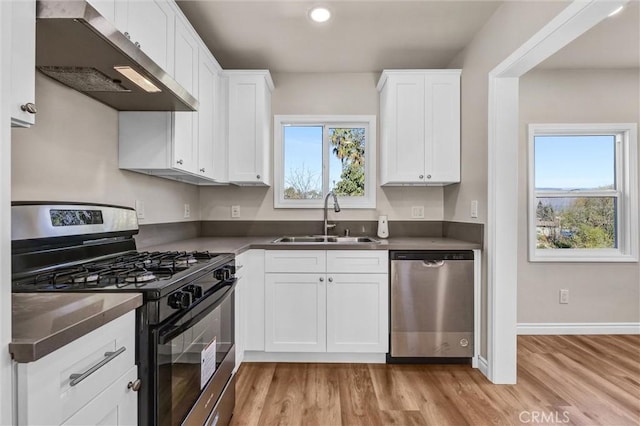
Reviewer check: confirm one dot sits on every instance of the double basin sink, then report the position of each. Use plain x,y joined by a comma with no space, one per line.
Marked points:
326,239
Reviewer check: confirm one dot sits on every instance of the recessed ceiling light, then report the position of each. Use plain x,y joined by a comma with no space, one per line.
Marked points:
616,11
319,14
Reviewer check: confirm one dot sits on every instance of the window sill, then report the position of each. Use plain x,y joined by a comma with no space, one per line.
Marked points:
611,257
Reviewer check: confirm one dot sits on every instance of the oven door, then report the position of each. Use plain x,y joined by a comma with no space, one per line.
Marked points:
195,357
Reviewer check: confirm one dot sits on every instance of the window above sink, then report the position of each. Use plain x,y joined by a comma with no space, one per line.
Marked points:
316,154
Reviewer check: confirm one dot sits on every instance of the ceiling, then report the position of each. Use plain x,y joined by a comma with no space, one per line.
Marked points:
613,43
362,36
371,35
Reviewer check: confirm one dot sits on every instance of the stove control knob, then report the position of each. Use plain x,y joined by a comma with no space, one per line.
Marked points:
222,274
180,300
195,290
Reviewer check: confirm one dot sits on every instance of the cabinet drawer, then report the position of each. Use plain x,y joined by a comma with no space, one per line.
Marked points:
295,261
45,391
358,261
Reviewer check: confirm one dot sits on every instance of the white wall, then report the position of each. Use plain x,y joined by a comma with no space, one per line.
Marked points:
507,29
599,292
71,154
311,93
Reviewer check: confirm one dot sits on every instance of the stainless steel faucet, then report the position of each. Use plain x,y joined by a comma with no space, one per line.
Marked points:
336,208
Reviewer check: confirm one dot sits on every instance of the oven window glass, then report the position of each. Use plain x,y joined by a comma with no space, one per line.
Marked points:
186,362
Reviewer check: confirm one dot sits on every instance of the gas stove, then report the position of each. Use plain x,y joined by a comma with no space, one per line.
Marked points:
152,273
189,300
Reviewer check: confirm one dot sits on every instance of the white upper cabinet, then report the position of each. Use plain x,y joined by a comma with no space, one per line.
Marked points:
180,145
150,25
23,61
249,126
212,150
185,143
420,127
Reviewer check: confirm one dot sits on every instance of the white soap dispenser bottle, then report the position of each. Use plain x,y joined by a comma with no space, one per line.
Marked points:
383,227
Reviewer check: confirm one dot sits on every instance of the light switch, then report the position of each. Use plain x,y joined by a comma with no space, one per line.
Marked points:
474,208
140,209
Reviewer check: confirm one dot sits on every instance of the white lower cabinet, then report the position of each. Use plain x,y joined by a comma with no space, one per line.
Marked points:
114,406
249,303
357,319
296,309
327,311
89,381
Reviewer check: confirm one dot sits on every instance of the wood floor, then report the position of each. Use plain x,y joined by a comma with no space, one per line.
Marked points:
585,380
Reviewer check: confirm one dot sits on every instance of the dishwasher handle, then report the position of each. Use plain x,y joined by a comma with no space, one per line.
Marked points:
433,263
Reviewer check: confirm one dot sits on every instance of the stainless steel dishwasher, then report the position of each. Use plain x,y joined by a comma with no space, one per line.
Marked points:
431,305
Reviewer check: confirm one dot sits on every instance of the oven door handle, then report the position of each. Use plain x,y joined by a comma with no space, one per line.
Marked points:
183,323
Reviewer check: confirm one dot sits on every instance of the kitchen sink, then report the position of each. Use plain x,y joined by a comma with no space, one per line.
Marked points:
326,239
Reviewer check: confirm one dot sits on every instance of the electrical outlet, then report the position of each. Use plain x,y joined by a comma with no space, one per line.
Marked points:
564,296
187,210
140,209
474,208
417,212
235,211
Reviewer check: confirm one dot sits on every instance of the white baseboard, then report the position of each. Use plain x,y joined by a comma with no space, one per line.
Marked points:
580,328
483,365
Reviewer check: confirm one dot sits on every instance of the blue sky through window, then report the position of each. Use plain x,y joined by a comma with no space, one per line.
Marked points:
303,146
574,161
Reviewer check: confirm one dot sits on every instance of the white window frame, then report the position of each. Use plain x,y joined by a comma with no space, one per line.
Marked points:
626,157
368,122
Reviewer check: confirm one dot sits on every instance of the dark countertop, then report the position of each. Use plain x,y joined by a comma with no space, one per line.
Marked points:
44,322
238,245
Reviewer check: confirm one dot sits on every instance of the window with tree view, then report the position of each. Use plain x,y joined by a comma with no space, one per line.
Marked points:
580,204
315,156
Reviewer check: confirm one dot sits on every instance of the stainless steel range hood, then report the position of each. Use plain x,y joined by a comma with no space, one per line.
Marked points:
80,48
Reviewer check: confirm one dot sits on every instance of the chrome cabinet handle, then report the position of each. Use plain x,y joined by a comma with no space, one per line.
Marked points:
421,177
137,44
258,176
179,161
321,279
202,170
29,107
109,356
330,279
428,176
135,385
127,35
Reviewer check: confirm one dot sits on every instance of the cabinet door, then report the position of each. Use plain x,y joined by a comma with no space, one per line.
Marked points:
358,261
239,310
117,405
247,123
357,313
302,261
403,149
23,65
295,313
253,267
442,107
185,143
208,96
150,23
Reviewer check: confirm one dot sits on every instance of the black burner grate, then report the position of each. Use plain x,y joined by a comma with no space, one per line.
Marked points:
130,269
